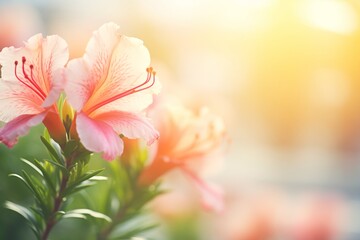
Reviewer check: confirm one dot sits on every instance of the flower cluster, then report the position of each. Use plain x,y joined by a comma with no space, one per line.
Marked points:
93,104
109,87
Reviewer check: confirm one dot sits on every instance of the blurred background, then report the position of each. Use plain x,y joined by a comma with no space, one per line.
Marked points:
283,74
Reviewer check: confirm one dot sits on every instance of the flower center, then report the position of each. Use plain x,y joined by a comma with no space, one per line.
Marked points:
148,83
27,80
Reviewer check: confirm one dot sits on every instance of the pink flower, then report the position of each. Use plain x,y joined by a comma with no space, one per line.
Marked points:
31,83
188,142
109,87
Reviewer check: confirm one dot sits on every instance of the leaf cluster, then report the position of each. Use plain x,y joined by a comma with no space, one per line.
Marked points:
126,201
52,182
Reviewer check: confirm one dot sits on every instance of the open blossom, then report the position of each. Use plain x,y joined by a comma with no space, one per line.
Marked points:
109,87
189,141
31,81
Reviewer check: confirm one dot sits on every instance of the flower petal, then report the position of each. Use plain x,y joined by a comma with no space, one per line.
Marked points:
130,124
28,90
57,87
18,127
156,169
112,64
212,196
98,136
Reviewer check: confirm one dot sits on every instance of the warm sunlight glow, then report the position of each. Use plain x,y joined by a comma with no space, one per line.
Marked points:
333,15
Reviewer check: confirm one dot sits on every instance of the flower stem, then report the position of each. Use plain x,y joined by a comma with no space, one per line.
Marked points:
51,221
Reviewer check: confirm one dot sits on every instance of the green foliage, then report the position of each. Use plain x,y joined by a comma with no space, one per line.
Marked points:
125,200
60,185
52,183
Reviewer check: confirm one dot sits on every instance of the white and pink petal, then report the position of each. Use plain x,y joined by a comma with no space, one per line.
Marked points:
28,83
98,136
19,126
130,125
112,64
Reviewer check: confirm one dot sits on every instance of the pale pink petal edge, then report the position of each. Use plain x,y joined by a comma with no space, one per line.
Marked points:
98,136
211,195
19,126
130,125
57,87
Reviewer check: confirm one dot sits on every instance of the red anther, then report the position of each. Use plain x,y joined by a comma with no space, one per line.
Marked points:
29,82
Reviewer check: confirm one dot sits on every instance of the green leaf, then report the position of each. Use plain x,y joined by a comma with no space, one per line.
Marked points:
63,169
79,187
73,215
98,178
38,191
133,232
32,166
25,213
70,147
46,135
90,213
21,178
46,176
87,176
54,152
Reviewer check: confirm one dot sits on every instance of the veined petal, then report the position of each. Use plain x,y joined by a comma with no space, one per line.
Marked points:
57,87
28,83
130,125
14,101
78,88
112,64
18,127
212,196
98,136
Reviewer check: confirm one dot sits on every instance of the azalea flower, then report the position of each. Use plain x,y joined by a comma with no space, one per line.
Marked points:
31,81
190,142
109,87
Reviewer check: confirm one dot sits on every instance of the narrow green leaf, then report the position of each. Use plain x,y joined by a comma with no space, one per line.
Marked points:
63,169
70,147
53,152
90,213
84,177
98,178
25,213
46,176
46,135
79,187
39,195
133,232
32,166
73,215
21,178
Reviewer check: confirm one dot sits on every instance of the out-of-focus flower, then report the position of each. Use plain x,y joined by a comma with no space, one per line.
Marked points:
250,216
109,89
317,219
32,80
188,142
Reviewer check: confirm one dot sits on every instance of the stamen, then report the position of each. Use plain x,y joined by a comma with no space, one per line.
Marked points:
150,76
35,88
32,80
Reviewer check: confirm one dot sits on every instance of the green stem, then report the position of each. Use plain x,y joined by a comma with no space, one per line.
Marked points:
51,221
